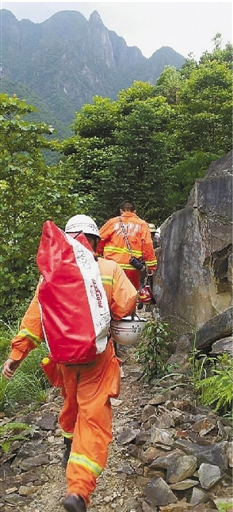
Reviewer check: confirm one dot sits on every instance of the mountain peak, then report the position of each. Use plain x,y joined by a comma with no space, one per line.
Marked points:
8,15
80,58
95,18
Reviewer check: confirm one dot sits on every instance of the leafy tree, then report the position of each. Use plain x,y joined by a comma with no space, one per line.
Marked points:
203,122
98,119
30,193
154,141
119,147
168,84
149,144
90,153
139,91
205,108
142,135
219,53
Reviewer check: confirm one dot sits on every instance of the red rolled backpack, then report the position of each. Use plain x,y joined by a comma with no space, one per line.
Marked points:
73,304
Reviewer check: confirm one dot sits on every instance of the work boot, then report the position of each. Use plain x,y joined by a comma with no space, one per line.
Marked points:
66,454
74,503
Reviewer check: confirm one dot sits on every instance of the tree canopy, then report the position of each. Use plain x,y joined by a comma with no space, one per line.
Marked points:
148,145
154,141
30,193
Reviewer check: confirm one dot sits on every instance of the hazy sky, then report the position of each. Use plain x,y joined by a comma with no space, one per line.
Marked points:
187,27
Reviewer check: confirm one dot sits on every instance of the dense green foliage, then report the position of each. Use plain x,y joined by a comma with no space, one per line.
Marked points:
43,112
29,385
30,193
150,144
212,379
154,141
216,388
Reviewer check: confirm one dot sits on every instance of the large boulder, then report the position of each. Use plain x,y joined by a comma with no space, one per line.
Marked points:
193,282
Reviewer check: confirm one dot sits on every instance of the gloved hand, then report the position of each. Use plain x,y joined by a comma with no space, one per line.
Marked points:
151,270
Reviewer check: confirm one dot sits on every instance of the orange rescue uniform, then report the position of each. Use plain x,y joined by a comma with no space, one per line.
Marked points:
86,415
113,245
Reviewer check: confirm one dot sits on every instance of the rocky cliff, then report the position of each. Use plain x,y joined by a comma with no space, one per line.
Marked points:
193,284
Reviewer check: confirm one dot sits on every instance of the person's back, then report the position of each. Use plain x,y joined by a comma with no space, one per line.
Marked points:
125,236
86,417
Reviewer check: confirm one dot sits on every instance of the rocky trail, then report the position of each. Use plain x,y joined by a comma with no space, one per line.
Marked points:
167,454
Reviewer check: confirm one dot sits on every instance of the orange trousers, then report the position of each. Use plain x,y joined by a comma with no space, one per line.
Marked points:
86,418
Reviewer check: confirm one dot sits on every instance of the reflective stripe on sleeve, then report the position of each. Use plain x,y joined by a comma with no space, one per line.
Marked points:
107,279
28,334
151,263
82,460
68,435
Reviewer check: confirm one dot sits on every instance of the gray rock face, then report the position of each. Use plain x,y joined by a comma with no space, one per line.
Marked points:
181,469
209,475
159,493
223,345
215,329
193,282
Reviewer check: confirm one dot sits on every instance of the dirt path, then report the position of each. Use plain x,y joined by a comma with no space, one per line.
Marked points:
122,484
115,490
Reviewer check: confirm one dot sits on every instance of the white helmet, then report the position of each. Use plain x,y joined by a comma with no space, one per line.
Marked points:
128,330
82,223
152,227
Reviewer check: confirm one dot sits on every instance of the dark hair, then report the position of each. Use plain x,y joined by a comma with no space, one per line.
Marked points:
94,238
127,205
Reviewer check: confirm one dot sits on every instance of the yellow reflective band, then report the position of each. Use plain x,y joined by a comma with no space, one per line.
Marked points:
151,262
82,460
25,332
127,267
122,250
68,435
107,280
119,250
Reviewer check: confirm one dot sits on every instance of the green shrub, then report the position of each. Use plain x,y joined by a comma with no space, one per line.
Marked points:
4,347
12,319
6,334
11,432
29,384
216,389
152,352
10,326
224,507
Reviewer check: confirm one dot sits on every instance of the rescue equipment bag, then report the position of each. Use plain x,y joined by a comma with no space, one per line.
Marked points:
74,309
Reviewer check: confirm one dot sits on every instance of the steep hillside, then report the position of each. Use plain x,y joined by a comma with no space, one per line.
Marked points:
66,60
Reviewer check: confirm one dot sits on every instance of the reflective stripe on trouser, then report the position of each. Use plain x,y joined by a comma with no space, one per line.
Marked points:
92,425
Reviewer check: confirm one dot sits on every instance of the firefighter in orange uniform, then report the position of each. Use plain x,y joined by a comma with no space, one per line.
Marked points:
113,245
86,415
